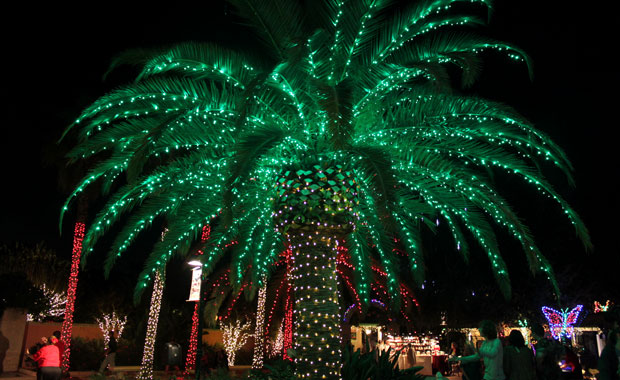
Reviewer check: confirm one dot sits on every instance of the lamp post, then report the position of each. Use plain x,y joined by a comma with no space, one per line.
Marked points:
195,295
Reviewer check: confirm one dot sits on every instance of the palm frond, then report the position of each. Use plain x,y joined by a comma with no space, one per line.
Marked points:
204,61
205,133
277,22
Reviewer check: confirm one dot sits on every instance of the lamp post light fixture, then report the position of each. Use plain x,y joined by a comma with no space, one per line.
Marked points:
195,295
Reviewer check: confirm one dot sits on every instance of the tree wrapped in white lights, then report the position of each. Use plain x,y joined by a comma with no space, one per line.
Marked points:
235,335
146,369
111,322
57,304
259,330
278,342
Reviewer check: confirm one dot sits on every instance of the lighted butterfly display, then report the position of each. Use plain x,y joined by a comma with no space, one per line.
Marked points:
598,307
561,323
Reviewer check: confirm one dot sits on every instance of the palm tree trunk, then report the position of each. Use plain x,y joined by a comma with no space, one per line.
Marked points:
317,312
67,324
259,331
146,369
287,341
190,360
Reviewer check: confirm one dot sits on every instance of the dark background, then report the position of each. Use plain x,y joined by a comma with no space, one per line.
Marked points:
54,58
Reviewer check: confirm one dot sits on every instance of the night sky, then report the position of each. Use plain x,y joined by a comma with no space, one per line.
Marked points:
54,58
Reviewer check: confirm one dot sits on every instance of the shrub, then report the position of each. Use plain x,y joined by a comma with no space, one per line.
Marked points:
278,369
129,353
86,354
359,365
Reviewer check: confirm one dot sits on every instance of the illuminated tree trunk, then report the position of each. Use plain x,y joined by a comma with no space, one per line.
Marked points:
234,337
67,324
316,206
287,341
190,360
192,351
146,369
317,321
259,330
109,323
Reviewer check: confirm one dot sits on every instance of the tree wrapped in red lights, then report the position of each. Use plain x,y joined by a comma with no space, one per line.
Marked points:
67,324
190,360
346,131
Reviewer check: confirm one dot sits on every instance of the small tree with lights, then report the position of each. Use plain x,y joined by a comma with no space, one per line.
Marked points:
111,322
235,336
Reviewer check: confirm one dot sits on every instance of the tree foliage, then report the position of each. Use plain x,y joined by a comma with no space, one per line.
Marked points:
207,134
38,263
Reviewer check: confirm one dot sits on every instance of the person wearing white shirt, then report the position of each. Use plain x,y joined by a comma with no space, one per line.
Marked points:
491,352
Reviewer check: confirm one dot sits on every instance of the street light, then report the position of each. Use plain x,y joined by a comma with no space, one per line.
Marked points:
195,296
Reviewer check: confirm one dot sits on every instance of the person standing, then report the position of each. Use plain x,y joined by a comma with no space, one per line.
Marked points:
454,350
491,352
473,369
173,357
110,356
48,360
608,362
519,362
547,353
410,356
60,344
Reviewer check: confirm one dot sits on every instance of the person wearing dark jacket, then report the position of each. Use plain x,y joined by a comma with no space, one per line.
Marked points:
110,357
548,354
471,370
519,361
608,362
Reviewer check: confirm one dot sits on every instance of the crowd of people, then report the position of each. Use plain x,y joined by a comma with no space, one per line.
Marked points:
546,359
493,359
47,354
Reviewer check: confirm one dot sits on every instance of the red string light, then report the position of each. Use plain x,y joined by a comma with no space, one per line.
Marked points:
357,298
232,304
288,316
206,233
275,302
67,324
190,361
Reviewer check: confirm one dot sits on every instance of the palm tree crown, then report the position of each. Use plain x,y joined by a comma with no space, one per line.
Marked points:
348,121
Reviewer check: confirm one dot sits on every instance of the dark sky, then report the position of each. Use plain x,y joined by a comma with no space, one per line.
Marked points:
54,58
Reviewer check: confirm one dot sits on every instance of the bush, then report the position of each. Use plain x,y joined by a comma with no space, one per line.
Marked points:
244,356
219,374
129,353
86,354
278,369
359,365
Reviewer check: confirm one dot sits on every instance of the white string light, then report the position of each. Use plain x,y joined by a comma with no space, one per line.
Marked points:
234,336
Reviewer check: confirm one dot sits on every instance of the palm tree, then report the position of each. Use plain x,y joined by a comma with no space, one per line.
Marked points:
346,130
67,179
